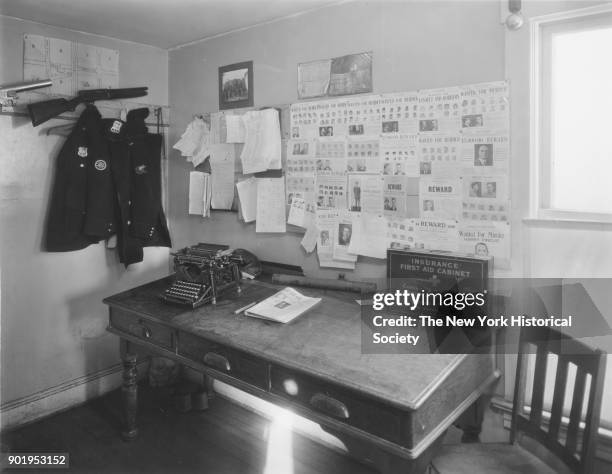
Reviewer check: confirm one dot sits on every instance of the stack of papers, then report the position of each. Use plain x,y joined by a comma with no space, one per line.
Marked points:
283,307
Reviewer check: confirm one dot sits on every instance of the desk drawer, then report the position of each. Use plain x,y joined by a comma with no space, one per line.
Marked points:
135,325
338,403
232,362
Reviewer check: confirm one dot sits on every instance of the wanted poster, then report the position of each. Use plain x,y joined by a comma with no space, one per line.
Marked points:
440,198
359,116
485,198
330,156
485,107
439,110
299,187
328,124
439,155
343,235
399,113
365,193
486,239
436,234
485,154
300,157
327,225
330,191
480,211
400,233
399,155
397,191
305,118
301,213
486,188
363,155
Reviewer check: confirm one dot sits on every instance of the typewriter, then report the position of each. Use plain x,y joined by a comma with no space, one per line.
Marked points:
203,273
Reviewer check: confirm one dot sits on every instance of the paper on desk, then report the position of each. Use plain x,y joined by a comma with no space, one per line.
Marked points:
369,235
235,129
262,144
222,158
270,205
247,193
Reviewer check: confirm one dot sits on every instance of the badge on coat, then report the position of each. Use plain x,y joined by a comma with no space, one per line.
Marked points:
100,165
82,151
117,124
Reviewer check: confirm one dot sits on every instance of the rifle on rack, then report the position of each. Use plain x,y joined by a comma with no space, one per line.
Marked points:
40,112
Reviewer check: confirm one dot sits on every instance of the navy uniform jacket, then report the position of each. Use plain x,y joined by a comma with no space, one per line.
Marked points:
117,190
82,208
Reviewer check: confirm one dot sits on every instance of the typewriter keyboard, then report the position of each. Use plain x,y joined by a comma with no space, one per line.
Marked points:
186,293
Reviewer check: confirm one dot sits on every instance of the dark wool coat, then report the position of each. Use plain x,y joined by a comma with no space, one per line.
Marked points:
108,181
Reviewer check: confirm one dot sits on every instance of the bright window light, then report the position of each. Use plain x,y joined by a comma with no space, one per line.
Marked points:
581,121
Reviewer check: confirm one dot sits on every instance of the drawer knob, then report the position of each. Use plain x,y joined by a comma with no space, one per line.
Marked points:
291,387
217,361
330,406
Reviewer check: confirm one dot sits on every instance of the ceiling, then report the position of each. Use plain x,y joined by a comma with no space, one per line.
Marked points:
161,23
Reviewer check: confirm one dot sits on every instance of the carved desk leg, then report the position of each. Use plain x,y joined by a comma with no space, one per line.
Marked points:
129,392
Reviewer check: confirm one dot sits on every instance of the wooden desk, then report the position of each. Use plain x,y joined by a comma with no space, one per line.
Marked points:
391,410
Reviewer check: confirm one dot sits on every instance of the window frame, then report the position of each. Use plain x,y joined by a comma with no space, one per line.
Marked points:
542,29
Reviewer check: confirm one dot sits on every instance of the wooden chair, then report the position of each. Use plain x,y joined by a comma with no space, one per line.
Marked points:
577,453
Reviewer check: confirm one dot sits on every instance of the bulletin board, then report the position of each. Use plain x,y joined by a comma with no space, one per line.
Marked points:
426,169
431,166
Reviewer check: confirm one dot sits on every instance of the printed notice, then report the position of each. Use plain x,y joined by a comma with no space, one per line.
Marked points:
440,198
270,205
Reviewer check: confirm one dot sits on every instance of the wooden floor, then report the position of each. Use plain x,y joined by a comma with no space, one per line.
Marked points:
226,439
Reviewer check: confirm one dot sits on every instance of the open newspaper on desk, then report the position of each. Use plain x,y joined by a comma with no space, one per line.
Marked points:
283,307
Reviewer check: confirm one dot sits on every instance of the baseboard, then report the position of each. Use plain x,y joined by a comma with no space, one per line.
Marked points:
64,396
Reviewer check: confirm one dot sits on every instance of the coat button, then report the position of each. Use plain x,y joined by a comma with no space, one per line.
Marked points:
129,222
82,165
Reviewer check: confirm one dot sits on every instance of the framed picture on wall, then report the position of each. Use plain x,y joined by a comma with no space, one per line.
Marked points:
236,85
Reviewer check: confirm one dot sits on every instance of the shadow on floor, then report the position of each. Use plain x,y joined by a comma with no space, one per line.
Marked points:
226,439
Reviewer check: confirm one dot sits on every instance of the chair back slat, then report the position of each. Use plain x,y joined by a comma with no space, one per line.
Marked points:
539,383
519,393
558,395
576,411
588,362
591,429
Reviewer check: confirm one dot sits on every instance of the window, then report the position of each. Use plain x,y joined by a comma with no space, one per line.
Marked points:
572,95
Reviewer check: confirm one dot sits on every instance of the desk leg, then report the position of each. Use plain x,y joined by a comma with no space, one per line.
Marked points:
470,422
129,391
